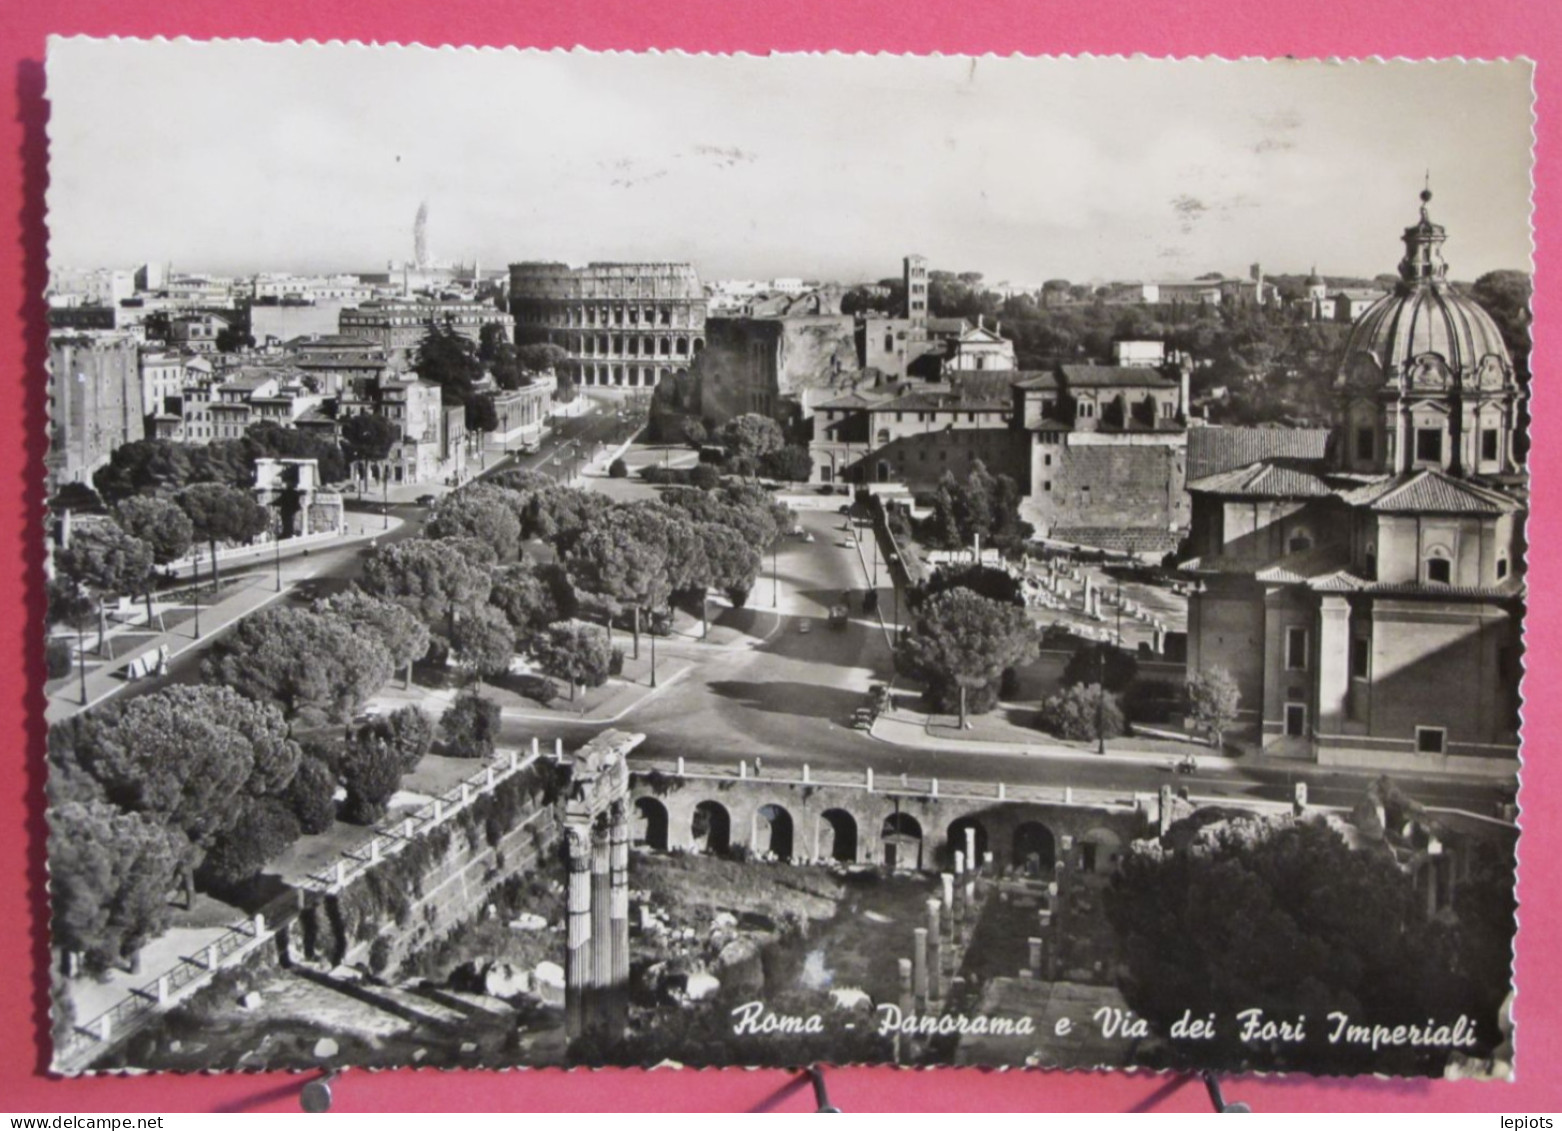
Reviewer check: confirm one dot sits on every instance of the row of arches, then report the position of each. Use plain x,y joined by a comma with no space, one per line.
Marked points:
903,843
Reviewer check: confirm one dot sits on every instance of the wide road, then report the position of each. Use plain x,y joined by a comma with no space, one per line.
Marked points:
789,699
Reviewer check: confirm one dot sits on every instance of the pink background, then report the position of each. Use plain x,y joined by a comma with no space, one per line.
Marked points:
1409,28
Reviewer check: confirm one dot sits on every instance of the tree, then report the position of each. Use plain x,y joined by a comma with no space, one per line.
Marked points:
578,652
268,439
695,433
431,579
106,561
405,637
749,436
1213,696
625,558
531,599
1234,911
480,511
471,727
262,833
190,756
110,873
992,583
311,795
371,774
483,642
963,639
308,663
1080,713
791,464
618,469
731,563
368,437
410,733
158,522
1505,295
449,359
219,513
481,413
541,357
1093,661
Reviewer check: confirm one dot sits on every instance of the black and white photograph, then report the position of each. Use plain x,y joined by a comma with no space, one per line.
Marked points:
561,558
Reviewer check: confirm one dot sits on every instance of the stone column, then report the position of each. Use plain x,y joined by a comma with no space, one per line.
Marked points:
577,969
601,925
1334,641
919,964
970,846
935,951
619,916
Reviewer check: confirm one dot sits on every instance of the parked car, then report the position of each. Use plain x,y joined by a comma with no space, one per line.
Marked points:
805,626
427,500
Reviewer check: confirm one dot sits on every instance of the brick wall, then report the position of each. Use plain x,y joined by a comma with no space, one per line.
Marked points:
1106,486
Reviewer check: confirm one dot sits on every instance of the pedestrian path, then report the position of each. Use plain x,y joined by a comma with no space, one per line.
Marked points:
254,591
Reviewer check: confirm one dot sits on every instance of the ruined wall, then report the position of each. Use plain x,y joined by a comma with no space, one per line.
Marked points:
1106,486
416,897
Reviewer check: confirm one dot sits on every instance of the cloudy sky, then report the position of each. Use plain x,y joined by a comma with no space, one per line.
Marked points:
235,157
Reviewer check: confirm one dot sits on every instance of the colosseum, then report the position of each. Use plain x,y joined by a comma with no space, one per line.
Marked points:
625,325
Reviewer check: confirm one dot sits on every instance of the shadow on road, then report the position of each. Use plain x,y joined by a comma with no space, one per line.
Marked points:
789,697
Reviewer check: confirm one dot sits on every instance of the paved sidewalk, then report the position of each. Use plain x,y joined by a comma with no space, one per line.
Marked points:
256,590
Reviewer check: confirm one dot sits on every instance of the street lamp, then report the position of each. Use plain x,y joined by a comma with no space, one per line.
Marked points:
81,658
775,587
276,543
385,496
195,590
653,652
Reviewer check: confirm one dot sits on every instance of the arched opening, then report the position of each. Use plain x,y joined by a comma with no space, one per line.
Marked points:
902,837
711,830
650,824
1099,852
838,836
1035,848
963,834
773,831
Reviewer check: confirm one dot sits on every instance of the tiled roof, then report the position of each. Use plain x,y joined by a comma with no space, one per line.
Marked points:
1098,376
850,400
1216,449
1316,563
1429,491
938,402
1269,479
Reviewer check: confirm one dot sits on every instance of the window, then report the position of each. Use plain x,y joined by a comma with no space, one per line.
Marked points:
1431,740
889,343
1439,571
1046,460
1360,657
1046,484
1429,445
1296,648
970,418
1087,409
1489,443
1365,444
1502,568
1299,541
1087,856
1296,720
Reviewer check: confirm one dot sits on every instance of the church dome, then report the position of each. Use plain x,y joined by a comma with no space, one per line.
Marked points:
1314,279
1424,333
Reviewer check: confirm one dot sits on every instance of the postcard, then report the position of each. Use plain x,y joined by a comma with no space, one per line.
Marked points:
561,558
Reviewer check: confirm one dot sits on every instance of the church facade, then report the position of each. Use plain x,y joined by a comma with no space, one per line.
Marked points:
1369,606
